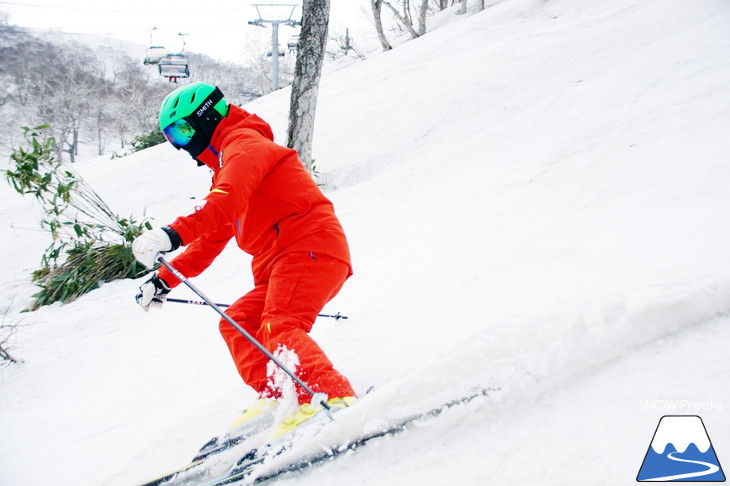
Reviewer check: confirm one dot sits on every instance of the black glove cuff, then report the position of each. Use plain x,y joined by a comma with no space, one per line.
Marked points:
160,284
175,239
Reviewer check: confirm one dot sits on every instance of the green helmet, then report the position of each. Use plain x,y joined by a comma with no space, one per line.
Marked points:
190,114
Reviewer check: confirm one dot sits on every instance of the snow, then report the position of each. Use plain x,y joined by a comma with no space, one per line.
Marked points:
536,199
681,431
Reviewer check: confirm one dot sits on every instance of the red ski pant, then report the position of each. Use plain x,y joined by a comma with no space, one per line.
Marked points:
281,310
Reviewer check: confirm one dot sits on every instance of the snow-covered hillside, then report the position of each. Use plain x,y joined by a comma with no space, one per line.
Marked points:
537,200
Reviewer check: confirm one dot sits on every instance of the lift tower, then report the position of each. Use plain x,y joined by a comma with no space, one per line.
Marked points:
275,21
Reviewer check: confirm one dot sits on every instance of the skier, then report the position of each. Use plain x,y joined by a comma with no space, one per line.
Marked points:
264,198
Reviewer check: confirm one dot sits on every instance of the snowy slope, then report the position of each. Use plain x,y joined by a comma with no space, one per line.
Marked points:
536,199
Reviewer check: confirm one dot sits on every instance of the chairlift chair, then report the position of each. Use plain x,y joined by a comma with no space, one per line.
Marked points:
154,54
293,43
174,66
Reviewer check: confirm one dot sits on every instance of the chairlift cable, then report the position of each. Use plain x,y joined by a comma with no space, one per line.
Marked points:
116,10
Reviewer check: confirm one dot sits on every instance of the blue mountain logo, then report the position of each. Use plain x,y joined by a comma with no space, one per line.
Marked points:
681,451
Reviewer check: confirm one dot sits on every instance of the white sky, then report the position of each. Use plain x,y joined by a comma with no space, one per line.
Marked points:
218,28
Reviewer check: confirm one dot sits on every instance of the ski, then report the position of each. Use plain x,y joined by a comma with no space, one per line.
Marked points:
249,467
168,476
212,447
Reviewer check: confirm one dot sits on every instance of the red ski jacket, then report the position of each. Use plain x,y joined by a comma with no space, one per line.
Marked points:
262,196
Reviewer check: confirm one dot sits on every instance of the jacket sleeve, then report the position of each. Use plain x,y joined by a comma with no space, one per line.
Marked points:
246,161
197,256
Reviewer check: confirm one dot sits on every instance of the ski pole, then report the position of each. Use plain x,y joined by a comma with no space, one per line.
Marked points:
238,328
336,317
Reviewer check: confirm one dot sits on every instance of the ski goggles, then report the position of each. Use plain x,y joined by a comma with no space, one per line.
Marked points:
179,133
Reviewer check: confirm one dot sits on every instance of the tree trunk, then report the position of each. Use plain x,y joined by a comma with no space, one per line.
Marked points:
422,17
101,140
305,88
404,19
377,10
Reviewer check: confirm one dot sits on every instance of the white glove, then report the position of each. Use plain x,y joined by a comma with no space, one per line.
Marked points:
153,293
147,245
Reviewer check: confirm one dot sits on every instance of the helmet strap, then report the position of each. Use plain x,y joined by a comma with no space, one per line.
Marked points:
204,120
206,116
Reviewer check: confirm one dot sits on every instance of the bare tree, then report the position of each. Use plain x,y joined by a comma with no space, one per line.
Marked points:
68,96
404,11
422,11
462,8
6,332
405,16
343,45
308,69
377,17
237,82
